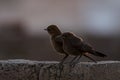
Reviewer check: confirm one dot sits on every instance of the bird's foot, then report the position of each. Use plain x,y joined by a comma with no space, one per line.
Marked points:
60,65
60,69
72,64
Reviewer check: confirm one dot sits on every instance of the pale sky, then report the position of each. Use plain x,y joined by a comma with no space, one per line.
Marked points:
92,16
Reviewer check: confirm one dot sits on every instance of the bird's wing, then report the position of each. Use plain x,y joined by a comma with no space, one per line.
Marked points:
57,39
82,46
85,47
75,42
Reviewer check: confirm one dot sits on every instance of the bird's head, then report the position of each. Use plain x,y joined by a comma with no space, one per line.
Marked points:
53,30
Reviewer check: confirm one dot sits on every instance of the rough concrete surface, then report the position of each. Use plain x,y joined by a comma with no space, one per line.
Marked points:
44,70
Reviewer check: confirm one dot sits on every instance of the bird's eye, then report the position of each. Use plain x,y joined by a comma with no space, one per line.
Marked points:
49,29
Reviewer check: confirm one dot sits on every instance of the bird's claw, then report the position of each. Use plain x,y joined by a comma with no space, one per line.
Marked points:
72,64
61,66
60,69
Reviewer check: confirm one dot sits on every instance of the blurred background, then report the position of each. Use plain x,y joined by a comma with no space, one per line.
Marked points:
22,24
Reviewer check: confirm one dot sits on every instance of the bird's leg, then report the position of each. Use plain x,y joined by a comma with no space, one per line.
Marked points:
63,59
74,63
78,59
71,62
61,64
73,59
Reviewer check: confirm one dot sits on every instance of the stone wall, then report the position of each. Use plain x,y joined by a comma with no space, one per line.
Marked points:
49,70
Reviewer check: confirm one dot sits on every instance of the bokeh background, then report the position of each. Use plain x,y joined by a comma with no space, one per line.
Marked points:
22,24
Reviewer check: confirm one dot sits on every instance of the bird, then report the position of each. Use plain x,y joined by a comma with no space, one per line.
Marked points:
76,46
57,44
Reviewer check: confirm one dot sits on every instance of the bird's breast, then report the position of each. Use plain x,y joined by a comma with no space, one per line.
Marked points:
57,45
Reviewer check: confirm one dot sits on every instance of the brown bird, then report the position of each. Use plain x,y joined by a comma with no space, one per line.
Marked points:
74,45
54,31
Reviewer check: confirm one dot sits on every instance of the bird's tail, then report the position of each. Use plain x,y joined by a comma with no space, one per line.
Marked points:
96,53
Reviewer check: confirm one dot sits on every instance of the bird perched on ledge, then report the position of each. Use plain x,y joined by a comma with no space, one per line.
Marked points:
74,45
54,31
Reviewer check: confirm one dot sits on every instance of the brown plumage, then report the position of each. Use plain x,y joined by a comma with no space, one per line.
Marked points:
54,31
74,45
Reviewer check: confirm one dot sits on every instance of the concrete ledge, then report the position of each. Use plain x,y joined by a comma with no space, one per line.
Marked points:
41,70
